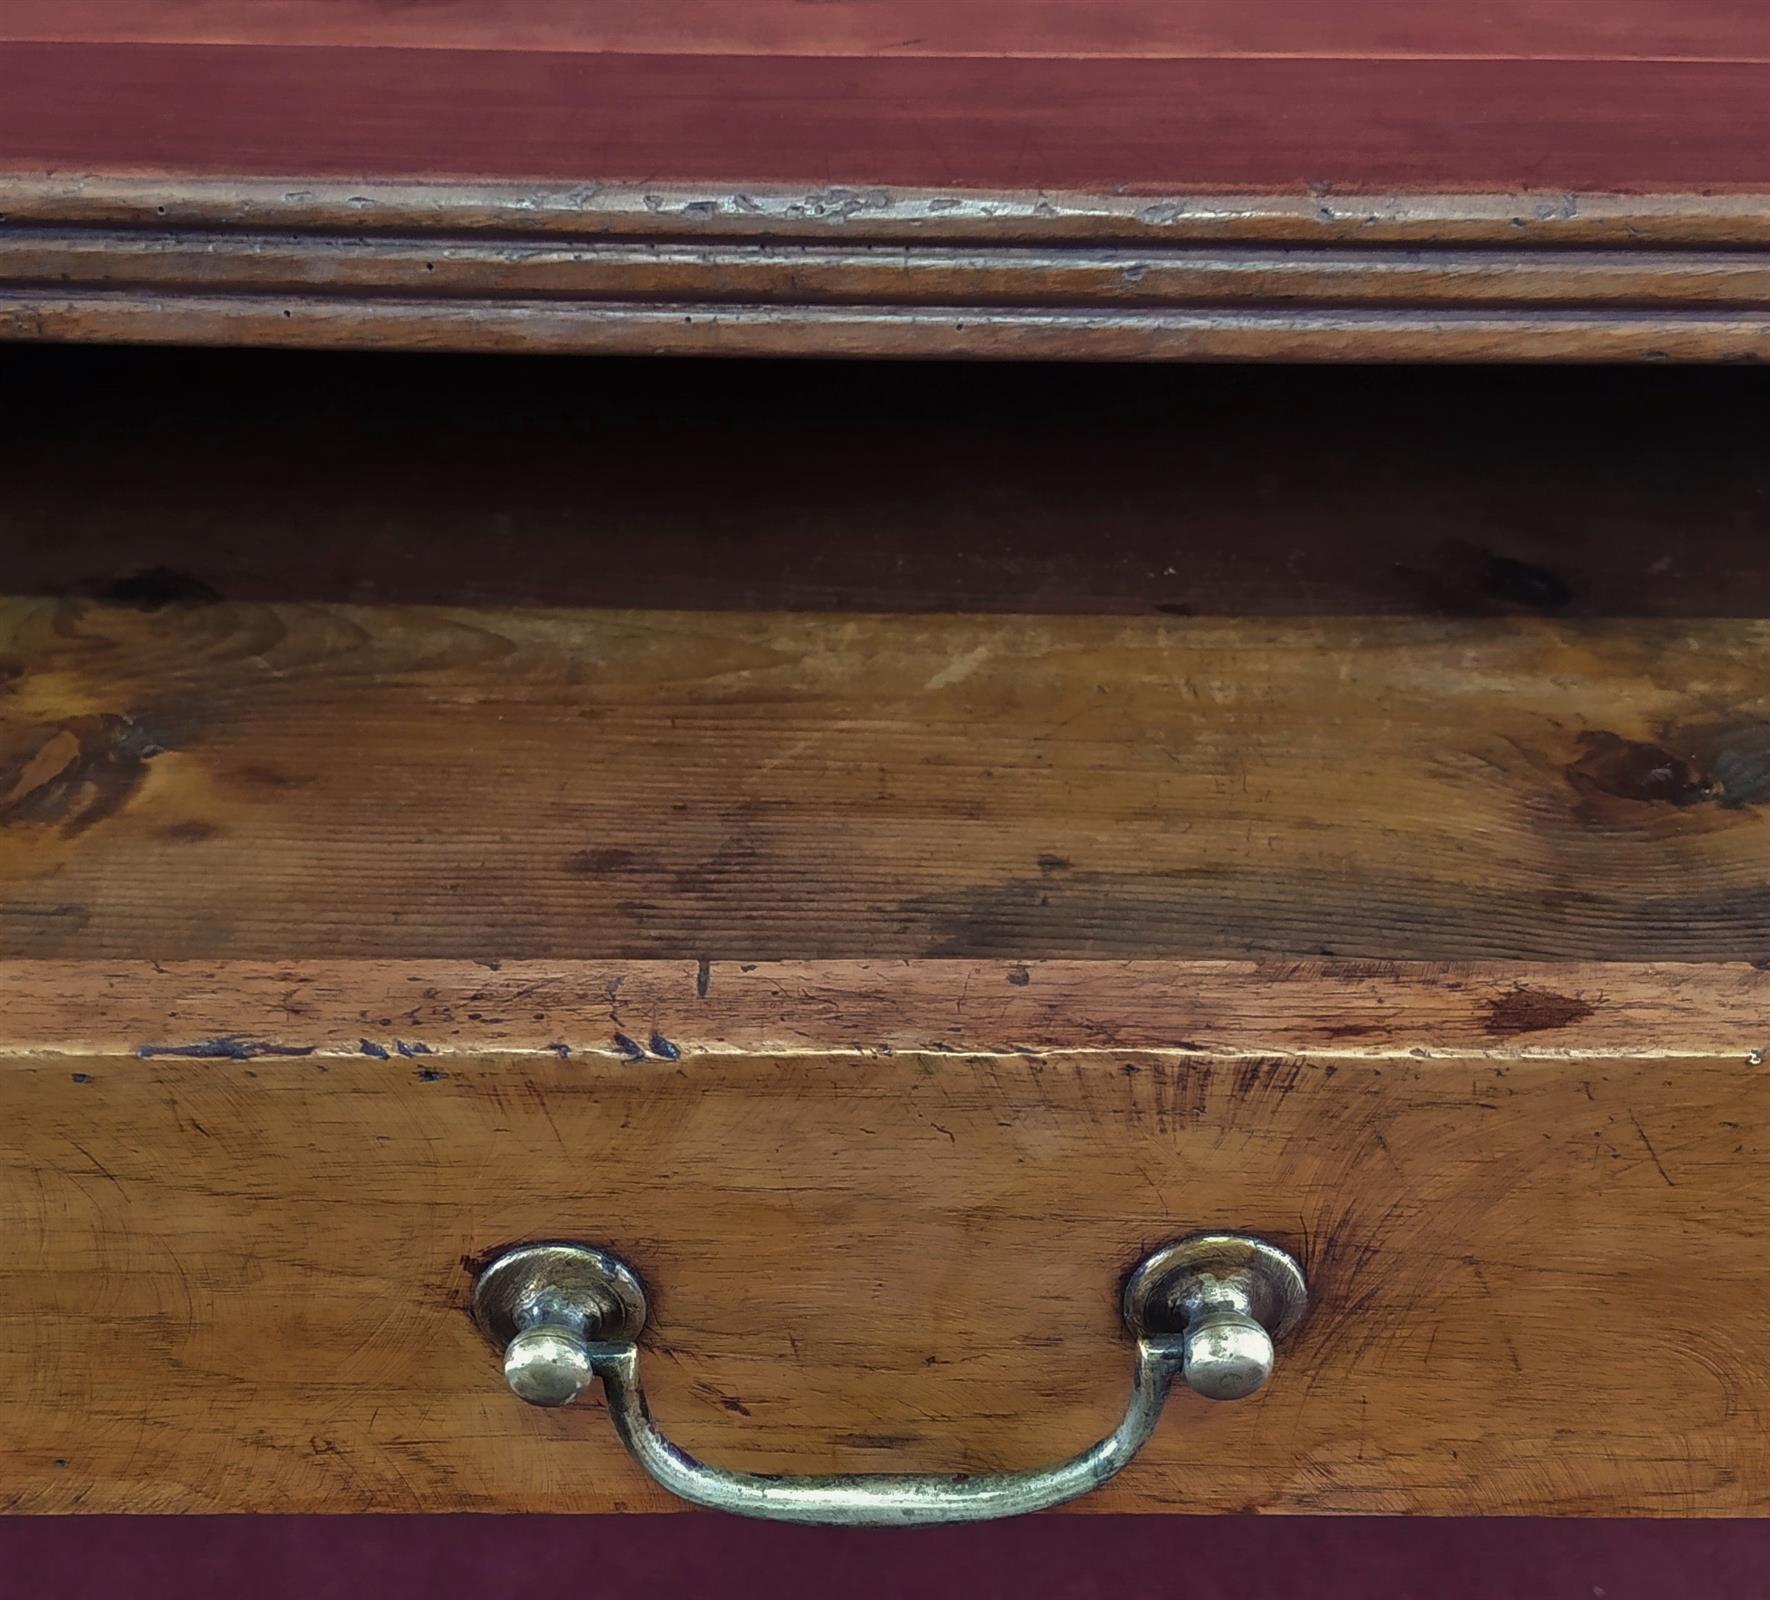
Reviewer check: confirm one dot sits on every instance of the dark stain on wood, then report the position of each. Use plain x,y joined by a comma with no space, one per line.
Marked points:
476,1263
153,589
1019,976
703,977
1527,1010
263,777
1466,579
1632,769
1737,757
660,1046
1526,585
76,775
370,1048
593,863
630,1048
194,831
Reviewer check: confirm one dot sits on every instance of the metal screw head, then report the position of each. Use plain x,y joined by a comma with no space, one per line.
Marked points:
547,1366
1227,1355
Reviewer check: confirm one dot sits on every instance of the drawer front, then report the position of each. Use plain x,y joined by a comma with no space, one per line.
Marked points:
239,1256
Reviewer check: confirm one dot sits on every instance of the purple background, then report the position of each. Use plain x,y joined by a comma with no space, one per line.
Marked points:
1062,1557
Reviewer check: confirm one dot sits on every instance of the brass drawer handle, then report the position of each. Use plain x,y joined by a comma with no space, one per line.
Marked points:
1207,1308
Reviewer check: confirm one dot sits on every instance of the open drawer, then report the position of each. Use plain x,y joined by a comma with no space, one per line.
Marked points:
880,852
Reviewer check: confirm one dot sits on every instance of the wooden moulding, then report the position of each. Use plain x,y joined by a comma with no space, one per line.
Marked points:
661,1012
874,271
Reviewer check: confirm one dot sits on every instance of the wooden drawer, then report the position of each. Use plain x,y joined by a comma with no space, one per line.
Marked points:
434,815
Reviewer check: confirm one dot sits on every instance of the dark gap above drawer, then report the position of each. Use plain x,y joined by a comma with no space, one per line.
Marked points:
149,476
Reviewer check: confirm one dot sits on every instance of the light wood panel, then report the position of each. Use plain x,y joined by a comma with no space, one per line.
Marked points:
220,779
238,1281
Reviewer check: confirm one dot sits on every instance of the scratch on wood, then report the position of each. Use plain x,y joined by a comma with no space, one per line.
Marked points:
1652,1153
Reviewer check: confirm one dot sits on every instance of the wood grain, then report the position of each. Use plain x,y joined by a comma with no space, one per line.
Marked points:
1141,126
237,1282
277,780
1620,29
745,276
342,322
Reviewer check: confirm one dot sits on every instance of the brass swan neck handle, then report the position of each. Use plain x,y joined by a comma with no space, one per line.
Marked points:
1207,1309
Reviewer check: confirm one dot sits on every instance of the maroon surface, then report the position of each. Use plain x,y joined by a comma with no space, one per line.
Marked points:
994,123
1714,30
1051,1558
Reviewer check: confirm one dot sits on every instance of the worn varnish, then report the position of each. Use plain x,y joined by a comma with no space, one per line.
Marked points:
668,1011
236,1277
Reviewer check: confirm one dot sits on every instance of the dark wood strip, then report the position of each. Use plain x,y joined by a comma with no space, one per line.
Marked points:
960,122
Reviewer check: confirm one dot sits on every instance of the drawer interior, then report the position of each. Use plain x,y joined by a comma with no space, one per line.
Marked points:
410,657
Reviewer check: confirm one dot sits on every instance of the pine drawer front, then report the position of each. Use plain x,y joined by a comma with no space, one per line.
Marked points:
882,1211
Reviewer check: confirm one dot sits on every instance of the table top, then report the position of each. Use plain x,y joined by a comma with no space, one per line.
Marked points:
1135,96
